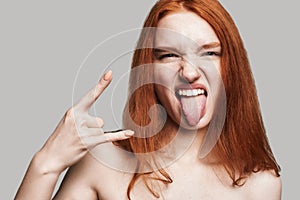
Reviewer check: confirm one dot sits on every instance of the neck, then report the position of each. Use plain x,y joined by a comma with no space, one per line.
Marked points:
185,144
192,152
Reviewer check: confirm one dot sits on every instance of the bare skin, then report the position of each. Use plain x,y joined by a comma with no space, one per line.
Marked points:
193,178
75,134
87,178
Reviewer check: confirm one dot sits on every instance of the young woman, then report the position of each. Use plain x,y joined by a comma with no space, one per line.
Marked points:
191,62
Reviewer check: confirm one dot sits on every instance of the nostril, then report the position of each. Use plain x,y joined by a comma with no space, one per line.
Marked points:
190,75
189,72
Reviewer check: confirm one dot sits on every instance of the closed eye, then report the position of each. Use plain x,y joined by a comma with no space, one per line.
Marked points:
211,53
167,55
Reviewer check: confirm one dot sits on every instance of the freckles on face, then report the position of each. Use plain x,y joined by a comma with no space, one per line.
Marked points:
186,49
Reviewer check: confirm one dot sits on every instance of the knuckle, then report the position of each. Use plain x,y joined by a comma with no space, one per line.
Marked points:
70,113
73,118
69,116
99,86
81,122
100,122
93,94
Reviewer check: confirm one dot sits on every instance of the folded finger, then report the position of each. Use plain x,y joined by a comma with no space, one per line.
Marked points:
94,122
94,132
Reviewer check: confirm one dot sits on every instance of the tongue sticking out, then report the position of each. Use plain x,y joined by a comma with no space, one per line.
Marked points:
193,108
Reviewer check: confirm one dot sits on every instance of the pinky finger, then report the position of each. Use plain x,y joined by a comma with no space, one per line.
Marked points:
94,140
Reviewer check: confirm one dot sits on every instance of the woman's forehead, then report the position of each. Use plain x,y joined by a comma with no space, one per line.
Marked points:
184,29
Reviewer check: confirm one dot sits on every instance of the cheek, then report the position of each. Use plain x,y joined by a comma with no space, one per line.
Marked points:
164,75
164,78
212,70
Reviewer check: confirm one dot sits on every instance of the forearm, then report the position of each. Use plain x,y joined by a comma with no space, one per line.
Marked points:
38,183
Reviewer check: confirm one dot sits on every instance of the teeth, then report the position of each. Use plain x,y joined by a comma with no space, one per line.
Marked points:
190,93
195,92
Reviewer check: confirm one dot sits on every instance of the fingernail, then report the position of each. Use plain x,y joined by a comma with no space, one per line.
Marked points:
129,133
107,75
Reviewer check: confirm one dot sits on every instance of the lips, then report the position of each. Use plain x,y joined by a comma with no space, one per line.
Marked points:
193,100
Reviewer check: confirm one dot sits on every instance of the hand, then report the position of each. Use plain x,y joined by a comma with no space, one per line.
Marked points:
77,132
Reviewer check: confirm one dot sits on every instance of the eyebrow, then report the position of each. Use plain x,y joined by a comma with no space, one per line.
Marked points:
163,49
210,45
172,49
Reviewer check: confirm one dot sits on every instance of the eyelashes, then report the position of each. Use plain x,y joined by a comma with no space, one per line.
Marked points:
174,56
167,55
212,53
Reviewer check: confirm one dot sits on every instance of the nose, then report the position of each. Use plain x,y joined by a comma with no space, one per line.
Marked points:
189,72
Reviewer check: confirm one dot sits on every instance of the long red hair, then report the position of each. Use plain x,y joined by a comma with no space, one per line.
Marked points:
243,146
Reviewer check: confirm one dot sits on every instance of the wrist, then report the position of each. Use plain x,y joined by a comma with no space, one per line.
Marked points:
43,164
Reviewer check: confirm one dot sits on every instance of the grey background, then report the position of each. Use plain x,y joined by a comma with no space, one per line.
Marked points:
43,44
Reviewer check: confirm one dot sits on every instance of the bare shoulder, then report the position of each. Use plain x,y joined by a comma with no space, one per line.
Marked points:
264,185
93,174
81,177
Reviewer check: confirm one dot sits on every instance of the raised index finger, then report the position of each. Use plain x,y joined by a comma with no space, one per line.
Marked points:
87,101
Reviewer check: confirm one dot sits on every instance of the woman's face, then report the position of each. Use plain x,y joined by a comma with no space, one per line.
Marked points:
186,72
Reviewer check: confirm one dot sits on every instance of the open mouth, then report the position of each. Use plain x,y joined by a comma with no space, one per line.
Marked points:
190,92
193,102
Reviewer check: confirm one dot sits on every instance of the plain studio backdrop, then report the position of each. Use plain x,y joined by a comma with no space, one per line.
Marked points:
44,48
